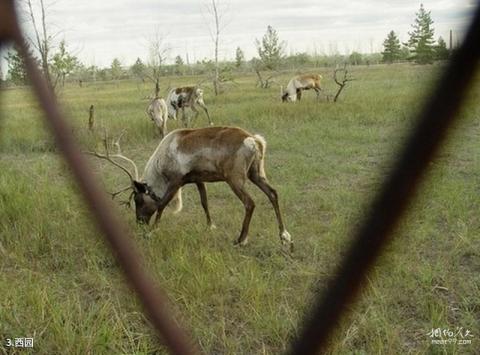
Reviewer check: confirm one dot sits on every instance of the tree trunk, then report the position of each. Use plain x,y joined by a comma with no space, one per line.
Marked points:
91,118
43,44
217,34
157,87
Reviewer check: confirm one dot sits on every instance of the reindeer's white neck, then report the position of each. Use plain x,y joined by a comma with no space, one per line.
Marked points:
292,90
152,174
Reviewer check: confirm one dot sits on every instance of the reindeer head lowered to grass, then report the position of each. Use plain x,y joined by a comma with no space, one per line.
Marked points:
187,156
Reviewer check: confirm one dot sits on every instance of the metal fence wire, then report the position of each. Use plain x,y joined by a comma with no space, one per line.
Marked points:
369,239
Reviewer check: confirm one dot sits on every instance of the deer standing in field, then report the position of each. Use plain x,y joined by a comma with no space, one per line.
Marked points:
187,96
158,112
299,83
196,156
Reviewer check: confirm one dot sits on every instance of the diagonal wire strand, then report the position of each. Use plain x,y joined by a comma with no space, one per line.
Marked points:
392,201
114,230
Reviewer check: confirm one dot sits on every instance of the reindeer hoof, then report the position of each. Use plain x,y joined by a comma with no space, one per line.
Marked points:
285,237
240,242
212,226
286,240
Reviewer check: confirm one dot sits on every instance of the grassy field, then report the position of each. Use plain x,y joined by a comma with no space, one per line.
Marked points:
60,284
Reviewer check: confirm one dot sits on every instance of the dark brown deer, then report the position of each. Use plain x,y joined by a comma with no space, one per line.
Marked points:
197,156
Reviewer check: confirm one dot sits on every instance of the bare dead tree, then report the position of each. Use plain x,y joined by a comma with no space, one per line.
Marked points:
43,40
217,34
158,50
341,82
264,83
217,15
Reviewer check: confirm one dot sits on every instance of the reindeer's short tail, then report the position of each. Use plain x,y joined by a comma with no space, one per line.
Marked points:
261,148
178,201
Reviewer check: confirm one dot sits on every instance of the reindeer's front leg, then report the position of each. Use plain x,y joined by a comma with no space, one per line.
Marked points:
169,194
164,122
299,94
202,105
195,113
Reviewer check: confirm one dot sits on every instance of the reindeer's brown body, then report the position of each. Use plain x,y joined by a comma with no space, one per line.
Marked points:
186,156
299,83
205,155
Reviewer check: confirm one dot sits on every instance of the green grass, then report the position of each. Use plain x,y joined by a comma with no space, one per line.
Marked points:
60,284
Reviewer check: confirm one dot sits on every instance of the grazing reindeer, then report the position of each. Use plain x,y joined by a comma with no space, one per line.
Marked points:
299,83
187,96
196,156
158,112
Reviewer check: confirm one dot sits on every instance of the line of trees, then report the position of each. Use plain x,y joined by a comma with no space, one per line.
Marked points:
69,68
420,47
62,65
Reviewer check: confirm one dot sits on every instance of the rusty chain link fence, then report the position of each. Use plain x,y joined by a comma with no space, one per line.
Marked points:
369,239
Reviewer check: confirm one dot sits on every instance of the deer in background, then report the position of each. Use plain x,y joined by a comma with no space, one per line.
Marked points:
158,112
197,156
299,83
187,96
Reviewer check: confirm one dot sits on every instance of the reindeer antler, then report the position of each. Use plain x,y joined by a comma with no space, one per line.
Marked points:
121,156
107,156
114,194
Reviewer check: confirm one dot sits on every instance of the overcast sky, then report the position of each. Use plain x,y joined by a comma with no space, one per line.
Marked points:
98,31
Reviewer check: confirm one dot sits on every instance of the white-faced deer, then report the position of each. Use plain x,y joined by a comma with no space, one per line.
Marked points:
158,112
187,96
196,156
299,83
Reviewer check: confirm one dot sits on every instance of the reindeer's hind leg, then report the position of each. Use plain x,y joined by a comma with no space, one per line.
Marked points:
185,119
195,113
203,199
272,195
239,190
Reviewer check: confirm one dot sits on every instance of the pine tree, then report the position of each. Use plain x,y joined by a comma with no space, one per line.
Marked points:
178,60
138,69
441,51
239,57
179,65
116,69
404,52
421,38
16,68
270,49
391,47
